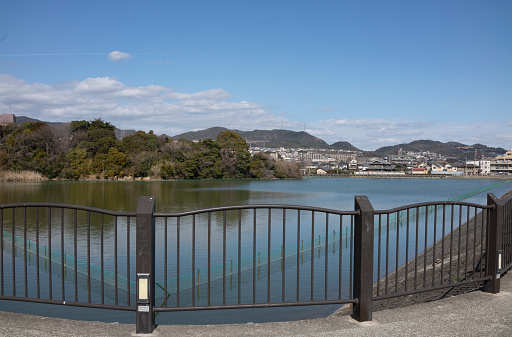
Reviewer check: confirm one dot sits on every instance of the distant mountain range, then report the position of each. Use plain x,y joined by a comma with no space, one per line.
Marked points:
449,149
264,138
302,139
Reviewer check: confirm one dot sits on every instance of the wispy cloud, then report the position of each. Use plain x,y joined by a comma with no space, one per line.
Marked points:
118,56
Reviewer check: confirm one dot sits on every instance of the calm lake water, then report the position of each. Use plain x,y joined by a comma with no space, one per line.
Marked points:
334,193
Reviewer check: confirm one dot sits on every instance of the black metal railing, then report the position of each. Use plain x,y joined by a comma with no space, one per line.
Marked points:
241,276
443,245
56,255
506,245
249,256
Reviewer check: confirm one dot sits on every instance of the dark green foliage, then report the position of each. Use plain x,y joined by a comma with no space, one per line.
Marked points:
94,151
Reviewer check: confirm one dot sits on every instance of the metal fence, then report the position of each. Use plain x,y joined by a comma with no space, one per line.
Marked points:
250,256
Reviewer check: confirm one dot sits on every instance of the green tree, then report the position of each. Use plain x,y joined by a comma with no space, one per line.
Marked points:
140,142
115,162
235,154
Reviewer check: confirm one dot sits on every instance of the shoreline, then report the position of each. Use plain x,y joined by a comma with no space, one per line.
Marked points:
30,176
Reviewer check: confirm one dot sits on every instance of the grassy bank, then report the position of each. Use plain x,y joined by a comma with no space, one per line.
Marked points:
13,176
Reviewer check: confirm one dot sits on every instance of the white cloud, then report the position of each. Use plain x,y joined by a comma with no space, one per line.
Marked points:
168,111
149,107
117,56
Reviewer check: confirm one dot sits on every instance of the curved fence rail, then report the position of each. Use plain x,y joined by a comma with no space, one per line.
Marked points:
56,254
248,256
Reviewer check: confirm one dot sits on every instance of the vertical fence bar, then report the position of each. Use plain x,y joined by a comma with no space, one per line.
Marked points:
416,247
88,257
485,223
239,281
387,254
363,259
165,262
493,242
145,265
298,256
25,249
425,249
178,223
407,249
283,259
193,264
312,253
13,255
128,267
268,254
378,254
102,276
397,249
254,258
37,255
442,244
115,263
434,247
340,259
209,252
351,242
467,243
49,252
450,279
75,250
326,254
62,254
223,257
474,240
459,245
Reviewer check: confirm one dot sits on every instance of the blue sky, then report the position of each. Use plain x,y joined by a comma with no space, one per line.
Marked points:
373,73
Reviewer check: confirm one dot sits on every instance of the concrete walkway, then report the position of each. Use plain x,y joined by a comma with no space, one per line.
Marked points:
472,314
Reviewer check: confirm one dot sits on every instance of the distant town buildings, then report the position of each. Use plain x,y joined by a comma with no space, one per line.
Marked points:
325,162
7,119
502,164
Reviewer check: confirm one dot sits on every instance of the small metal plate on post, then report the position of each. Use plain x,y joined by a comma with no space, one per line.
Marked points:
143,308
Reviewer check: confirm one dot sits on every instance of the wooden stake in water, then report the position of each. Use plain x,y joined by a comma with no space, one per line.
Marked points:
302,252
333,242
197,284
319,244
258,266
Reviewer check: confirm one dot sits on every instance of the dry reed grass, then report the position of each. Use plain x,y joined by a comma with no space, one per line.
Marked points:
15,176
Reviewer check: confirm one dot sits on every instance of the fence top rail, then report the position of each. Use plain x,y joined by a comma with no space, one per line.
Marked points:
261,206
505,201
432,203
67,206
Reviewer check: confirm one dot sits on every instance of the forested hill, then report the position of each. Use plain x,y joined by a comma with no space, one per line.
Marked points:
344,146
449,149
264,138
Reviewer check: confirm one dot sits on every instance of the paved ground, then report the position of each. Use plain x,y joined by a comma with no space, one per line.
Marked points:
473,314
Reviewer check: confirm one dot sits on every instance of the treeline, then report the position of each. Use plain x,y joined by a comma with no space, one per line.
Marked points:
90,150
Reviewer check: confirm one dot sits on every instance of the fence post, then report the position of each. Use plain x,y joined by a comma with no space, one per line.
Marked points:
494,238
145,265
363,259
